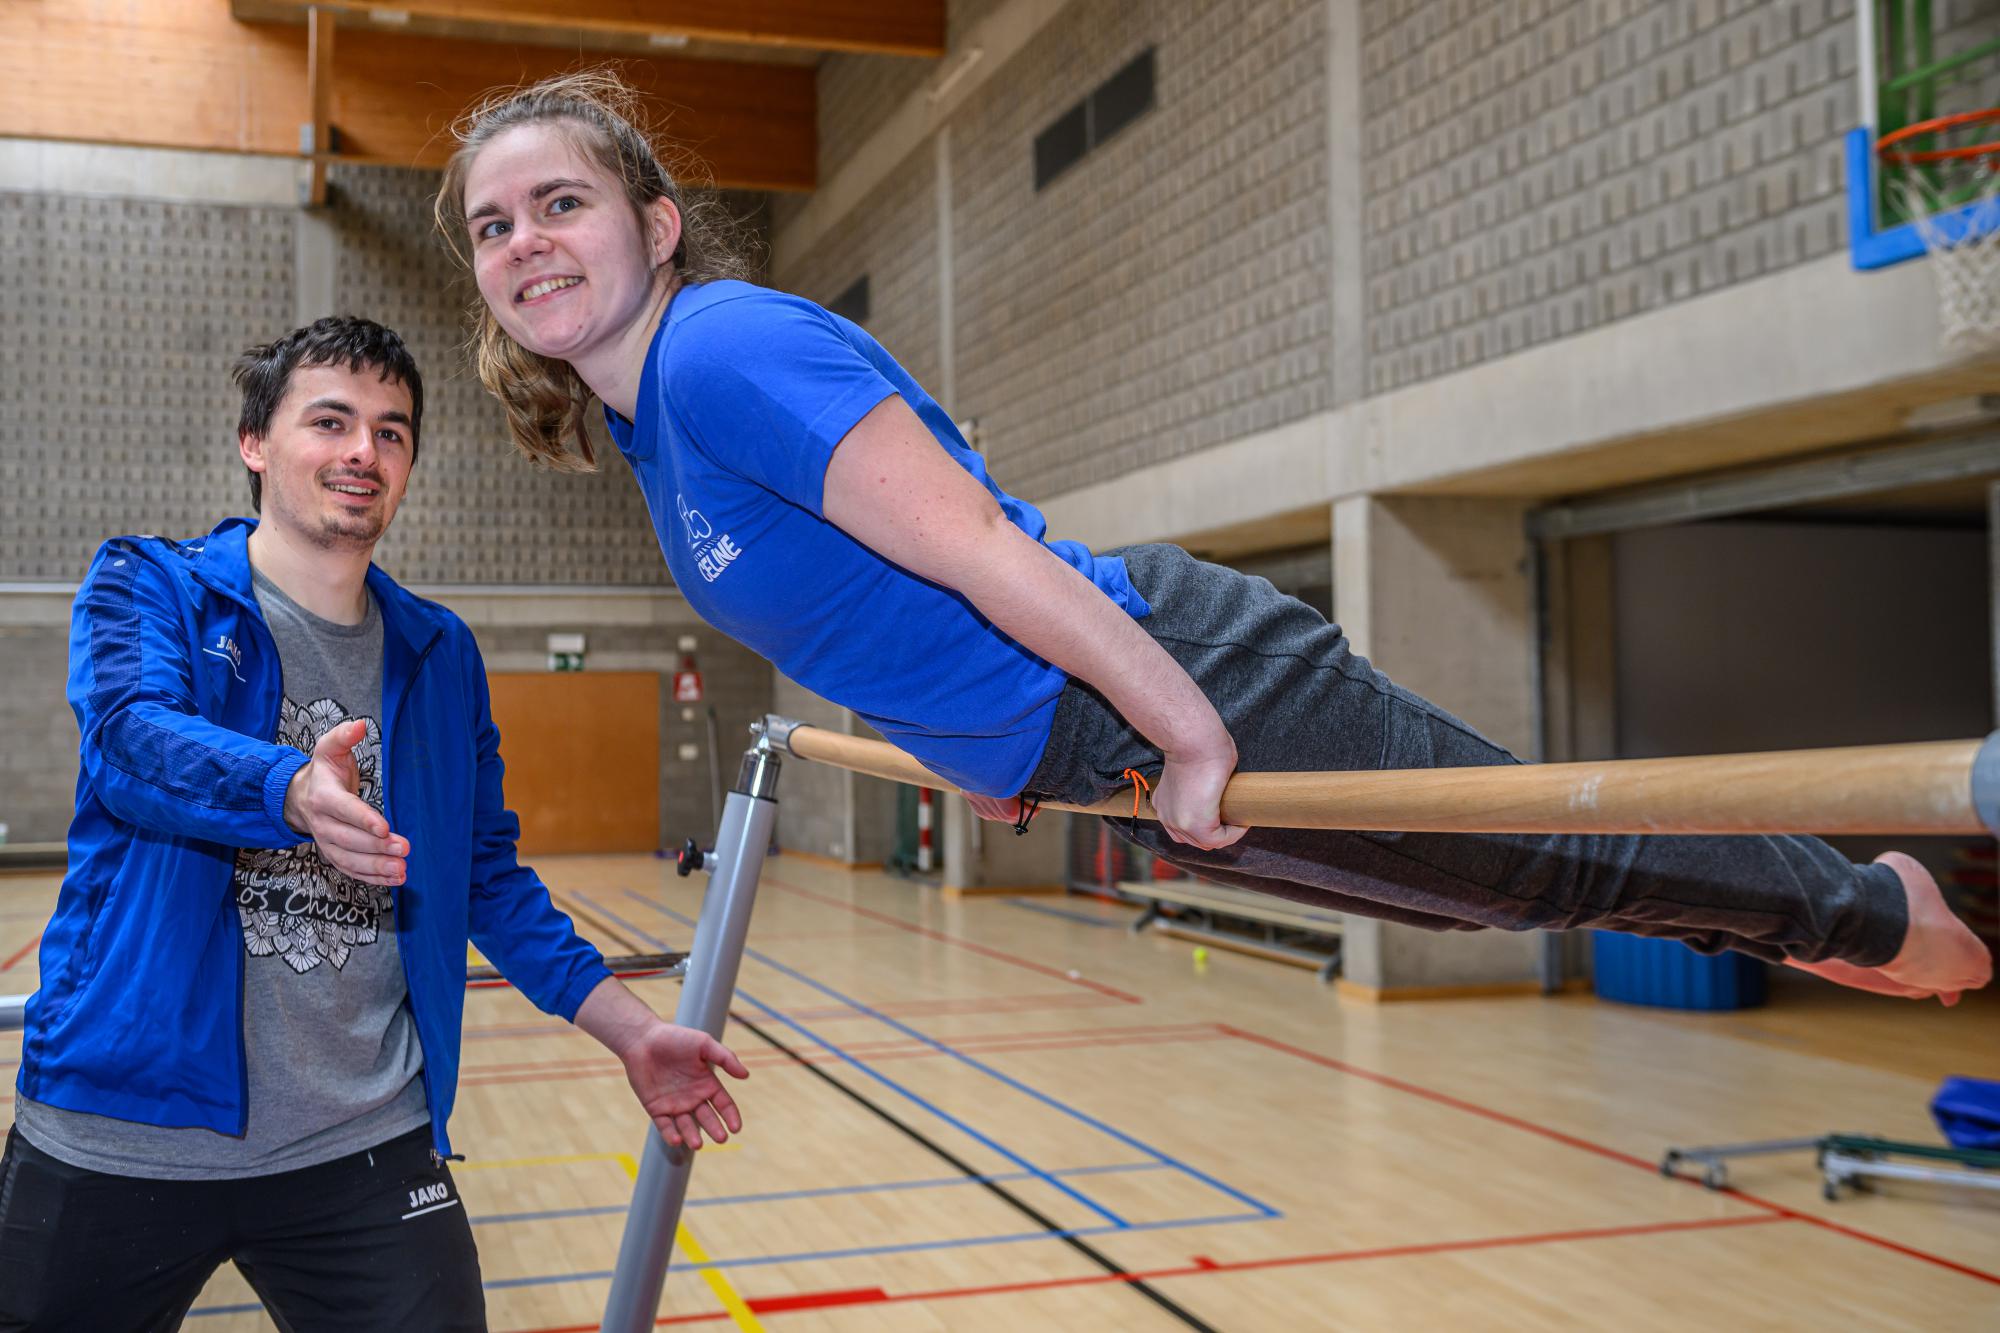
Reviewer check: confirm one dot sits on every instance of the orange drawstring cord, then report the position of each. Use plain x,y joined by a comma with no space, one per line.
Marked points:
1139,784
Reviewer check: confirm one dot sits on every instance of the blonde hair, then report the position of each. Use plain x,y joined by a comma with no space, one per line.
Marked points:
547,403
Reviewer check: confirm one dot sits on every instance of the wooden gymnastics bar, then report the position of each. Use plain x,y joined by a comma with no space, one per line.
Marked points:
1953,787
1932,787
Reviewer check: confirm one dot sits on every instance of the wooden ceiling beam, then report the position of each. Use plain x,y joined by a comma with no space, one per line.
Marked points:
879,27
183,74
318,138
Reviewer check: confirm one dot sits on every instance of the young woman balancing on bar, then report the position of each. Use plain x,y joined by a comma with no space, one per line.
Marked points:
814,503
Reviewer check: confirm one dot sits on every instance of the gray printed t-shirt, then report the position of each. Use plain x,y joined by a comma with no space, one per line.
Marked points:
334,1064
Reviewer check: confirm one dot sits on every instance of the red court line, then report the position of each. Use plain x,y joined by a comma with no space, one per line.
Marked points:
1570,1140
497,1031
817,936
1197,1267
953,940
1440,1098
21,953
999,1004
817,1300
891,1046
1202,1266
976,1005
501,983
560,1070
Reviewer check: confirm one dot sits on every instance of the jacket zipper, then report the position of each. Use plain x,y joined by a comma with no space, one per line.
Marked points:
402,923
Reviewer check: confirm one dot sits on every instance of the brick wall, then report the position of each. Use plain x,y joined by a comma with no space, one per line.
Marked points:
859,92
856,94
1536,168
1961,25
893,242
1170,291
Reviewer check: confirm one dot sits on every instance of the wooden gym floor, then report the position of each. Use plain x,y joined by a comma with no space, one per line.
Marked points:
1010,1114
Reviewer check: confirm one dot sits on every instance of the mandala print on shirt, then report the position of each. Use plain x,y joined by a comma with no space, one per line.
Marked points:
292,902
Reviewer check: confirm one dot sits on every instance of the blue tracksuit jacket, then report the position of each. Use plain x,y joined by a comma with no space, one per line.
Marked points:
176,685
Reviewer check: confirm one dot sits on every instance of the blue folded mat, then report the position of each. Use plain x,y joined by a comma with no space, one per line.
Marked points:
1968,1111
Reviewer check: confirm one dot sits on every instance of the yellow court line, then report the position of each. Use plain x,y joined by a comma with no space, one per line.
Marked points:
739,1310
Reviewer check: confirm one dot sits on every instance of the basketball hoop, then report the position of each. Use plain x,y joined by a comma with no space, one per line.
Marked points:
1951,194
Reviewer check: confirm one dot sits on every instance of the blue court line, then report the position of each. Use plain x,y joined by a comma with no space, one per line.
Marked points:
912,1247
1029,905
1262,1211
779,1196
985,1140
1007,1080
856,1252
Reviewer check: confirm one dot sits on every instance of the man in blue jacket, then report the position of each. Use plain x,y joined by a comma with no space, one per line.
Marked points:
289,824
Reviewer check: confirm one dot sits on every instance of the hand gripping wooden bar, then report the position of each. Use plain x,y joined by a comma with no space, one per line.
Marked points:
1936,787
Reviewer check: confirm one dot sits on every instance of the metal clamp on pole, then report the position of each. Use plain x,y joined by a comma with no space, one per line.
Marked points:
777,730
748,816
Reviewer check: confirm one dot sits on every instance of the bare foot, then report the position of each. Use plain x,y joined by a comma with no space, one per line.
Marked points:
1940,955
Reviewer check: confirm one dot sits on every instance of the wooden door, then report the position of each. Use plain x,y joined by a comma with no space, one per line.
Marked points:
583,758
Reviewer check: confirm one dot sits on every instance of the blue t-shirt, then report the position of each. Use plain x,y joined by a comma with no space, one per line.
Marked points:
746,393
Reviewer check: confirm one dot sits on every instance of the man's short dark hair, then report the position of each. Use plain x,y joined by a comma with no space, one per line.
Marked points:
265,372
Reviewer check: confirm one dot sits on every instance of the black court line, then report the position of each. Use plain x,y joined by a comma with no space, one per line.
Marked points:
1028,1210
570,906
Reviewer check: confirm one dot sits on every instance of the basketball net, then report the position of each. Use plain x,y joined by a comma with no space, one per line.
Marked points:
1956,210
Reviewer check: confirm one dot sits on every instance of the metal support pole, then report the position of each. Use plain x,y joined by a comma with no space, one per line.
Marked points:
748,816
13,1011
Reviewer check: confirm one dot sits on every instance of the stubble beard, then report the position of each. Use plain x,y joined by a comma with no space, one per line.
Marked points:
332,530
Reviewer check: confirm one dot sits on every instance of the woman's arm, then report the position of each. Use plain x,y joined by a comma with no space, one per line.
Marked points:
891,488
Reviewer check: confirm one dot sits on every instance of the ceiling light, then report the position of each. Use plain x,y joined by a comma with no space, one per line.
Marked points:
668,39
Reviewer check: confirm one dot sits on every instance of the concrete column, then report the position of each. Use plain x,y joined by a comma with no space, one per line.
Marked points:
1346,190
961,870
1435,591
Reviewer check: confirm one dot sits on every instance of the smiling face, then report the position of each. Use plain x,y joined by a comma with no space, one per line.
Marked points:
567,265
337,456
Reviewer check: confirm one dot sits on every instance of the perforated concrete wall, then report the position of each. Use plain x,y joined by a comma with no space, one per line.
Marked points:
116,410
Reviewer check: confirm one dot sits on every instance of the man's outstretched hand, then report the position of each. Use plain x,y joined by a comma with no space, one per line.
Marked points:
323,803
672,1068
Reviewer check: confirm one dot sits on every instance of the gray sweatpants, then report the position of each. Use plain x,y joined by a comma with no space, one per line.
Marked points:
1297,700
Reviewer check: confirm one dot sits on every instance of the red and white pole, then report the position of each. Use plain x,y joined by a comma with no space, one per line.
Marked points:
926,798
